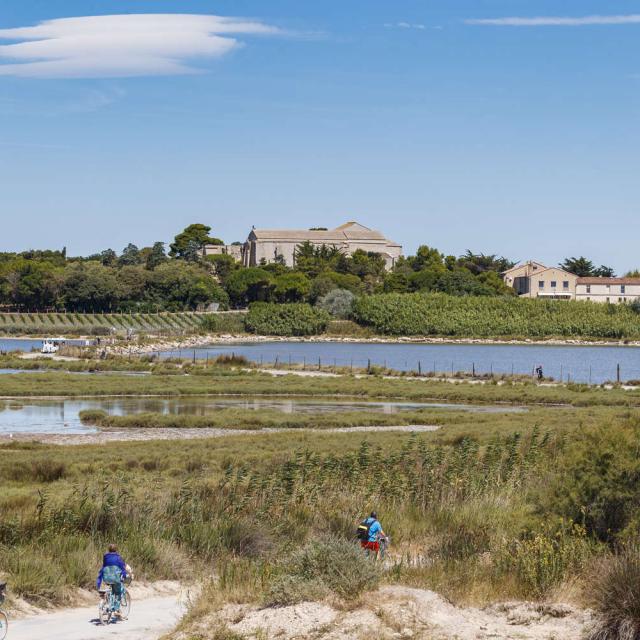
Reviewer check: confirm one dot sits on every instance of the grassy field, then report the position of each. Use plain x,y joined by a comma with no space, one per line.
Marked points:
493,506
167,379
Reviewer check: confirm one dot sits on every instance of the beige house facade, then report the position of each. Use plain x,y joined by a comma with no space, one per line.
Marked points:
234,250
611,290
268,245
535,280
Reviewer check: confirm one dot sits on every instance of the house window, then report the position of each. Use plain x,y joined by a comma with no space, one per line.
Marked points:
588,288
540,284
623,288
619,299
608,299
565,284
554,284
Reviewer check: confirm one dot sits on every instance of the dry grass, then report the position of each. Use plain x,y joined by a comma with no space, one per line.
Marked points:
613,590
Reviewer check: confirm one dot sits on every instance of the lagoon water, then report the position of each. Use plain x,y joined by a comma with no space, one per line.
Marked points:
26,344
15,344
595,364
63,416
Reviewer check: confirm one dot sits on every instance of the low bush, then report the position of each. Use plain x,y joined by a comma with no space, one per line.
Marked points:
542,560
614,593
93,416
44,470
339,303
286,319
331,565
232,360
209,324
597,482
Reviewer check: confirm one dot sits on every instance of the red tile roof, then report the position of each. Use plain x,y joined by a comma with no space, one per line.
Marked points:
596,280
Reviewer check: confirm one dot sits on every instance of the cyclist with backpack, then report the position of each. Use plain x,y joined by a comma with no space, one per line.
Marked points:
113,572
369,533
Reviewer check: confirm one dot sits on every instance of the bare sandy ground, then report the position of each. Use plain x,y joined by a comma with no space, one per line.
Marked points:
131,435
397,612
151,616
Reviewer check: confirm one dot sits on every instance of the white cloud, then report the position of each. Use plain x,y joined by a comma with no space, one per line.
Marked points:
404,25
551,21
121,45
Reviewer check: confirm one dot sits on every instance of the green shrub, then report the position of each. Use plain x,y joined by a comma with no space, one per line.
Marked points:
329,565
44,470
614,593
209,323
542,560
286,320
93,416
441,314
339,303
597,480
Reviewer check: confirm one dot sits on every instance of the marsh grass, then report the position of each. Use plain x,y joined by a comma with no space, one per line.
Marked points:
176,512
254,420
469,509
170,379
613,590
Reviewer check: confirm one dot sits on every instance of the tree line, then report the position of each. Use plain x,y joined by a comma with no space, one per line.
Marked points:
150,279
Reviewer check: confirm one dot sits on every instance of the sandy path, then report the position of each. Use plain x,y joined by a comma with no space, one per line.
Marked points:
131,435
149,619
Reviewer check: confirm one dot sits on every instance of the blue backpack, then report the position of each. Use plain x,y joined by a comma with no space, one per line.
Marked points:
111,575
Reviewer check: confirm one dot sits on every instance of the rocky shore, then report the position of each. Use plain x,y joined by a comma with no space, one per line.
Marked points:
192,342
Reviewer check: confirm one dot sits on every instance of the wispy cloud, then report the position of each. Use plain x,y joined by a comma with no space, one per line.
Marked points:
405,25
121,45
551,21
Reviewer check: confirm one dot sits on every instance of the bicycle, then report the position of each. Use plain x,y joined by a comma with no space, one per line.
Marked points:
383,542
4,621
108,605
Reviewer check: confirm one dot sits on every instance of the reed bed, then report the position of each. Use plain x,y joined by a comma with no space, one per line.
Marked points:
459,515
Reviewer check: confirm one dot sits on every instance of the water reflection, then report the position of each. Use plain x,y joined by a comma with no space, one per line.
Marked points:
63,416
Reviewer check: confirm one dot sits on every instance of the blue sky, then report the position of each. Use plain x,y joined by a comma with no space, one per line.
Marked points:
442,122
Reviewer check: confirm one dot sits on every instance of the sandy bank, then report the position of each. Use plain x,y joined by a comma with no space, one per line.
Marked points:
136,435
396,612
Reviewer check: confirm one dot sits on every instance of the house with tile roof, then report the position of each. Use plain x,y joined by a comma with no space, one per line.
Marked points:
612,290
535,280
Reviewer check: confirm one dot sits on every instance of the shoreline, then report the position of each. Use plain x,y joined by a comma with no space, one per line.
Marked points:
231,339
212,340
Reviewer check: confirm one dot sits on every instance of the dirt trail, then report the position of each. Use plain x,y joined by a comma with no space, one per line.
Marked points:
149,619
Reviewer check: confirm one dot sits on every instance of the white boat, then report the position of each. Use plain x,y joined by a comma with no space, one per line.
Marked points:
51,346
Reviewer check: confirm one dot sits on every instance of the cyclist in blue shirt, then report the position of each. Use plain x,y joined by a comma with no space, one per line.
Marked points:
113,559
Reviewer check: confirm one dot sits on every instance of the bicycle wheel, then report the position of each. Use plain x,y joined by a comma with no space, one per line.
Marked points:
4,625
104,612
125,604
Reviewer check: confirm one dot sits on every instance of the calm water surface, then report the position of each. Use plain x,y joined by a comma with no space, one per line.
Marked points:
580,363
15,344
577,364
62,416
